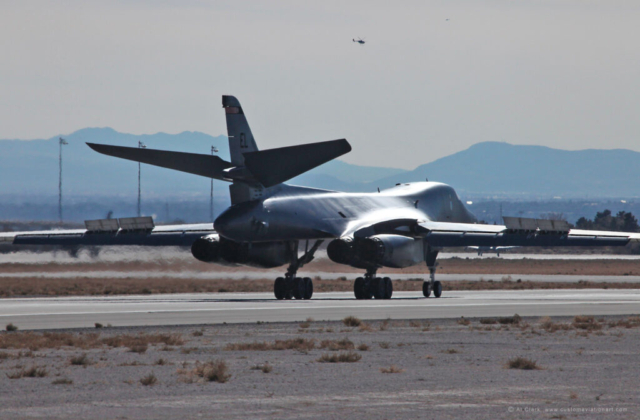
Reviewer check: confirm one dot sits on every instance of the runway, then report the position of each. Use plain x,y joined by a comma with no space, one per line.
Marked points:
214,308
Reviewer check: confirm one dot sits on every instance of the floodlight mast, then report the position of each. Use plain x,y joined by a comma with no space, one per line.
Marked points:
141,145
213,150
61,142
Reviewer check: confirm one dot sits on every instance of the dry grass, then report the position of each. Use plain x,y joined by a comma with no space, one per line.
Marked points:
88,286
463,321
384,344
212,371
631,322
488,321
342,357
55,340
351,321
81,360
265,368
32,372
583,322
549,326
149,380
300,344
523,364
450,351
62,381
391,369
336,345
364,327
363,347
304,325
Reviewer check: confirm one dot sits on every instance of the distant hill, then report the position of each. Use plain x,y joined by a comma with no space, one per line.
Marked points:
514,171
30,168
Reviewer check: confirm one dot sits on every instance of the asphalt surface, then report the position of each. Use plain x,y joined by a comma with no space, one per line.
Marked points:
193,309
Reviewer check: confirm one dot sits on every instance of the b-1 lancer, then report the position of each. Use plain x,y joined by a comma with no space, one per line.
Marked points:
268,220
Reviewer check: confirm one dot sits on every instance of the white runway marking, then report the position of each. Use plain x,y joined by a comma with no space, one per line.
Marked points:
210,308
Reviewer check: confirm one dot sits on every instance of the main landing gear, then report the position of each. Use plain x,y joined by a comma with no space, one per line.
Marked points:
432,285
290,286
371,286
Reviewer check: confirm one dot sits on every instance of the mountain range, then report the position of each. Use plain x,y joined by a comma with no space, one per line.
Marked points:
488,169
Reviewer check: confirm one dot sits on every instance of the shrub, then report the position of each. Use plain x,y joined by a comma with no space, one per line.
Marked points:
212,371
142,348
304,325
335,345
81,360
450,351
384,344
510,319
98,325
463,321
488,321
363,347
62,381
342,357
265,368
522,363
586,323
300,344
149,380
10,327
351,321
392,369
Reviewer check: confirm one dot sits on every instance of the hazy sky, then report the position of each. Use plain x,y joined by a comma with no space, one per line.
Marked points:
559,73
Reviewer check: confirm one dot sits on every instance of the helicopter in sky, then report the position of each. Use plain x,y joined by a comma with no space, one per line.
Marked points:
359,41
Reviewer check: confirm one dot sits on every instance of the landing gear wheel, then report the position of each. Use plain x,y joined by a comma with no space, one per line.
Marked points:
279,288
308,288
437,289
298,288
357,287
288,289
367,292
378,288
388,287
426,289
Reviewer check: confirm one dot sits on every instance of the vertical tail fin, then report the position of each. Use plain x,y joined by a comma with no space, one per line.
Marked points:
240,137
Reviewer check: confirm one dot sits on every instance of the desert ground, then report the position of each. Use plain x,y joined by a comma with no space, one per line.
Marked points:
491,368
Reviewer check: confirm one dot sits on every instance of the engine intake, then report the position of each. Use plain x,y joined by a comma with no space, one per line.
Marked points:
394,251
213,249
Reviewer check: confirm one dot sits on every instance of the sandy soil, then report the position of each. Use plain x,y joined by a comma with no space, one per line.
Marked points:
444,369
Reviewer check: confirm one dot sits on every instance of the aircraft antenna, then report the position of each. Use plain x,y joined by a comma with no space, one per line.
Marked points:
141,145
61,142
213,150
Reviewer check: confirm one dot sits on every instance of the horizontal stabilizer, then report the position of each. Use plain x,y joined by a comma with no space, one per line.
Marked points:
193,163
274,166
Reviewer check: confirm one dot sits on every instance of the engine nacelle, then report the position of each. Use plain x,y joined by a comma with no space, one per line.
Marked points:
207,248
213,249
341,250
394,251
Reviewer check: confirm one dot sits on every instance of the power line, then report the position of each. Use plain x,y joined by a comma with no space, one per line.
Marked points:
61,142
141,145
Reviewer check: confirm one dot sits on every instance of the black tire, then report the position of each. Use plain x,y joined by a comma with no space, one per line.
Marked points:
367,292
388,288
298,288
308,288
377,287
288,290
279,288
426,289
357,287
437,289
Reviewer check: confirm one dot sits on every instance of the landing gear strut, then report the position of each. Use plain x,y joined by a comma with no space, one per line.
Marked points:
371,286
290,286
432,285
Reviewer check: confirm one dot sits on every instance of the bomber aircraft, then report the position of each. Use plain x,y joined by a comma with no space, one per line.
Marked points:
268,220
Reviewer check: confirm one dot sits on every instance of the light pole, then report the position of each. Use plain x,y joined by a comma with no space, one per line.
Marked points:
61,142
213,150
140,146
